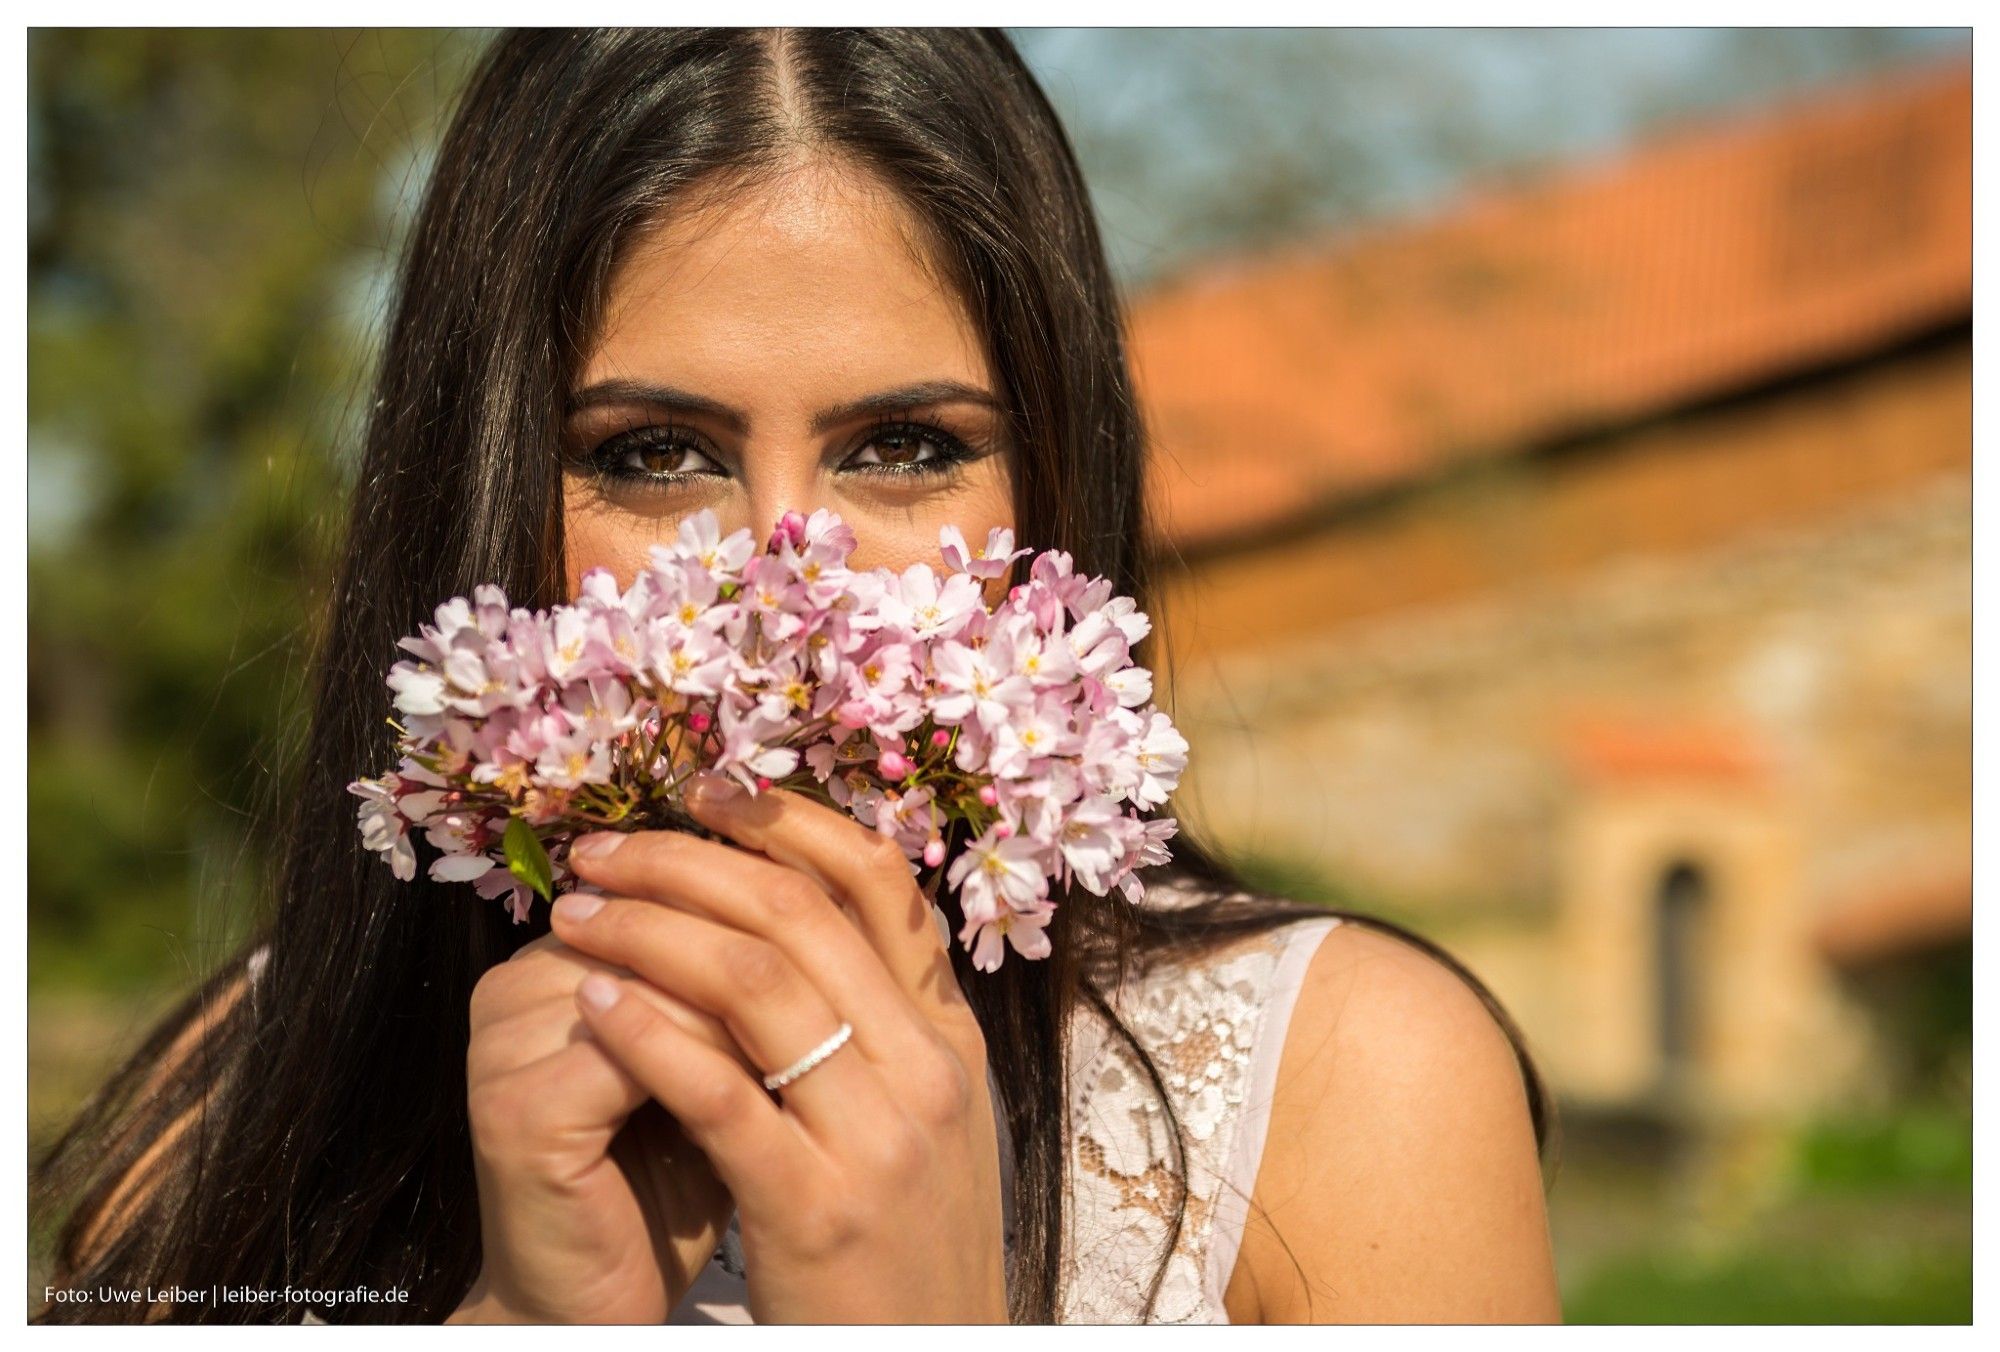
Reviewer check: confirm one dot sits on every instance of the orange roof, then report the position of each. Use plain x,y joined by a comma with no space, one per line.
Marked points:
1607,748
1707,261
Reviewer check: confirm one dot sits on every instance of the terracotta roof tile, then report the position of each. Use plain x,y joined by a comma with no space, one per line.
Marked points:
1606,748
1703,262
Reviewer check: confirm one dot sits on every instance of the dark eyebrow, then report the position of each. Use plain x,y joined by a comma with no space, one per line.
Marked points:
920,395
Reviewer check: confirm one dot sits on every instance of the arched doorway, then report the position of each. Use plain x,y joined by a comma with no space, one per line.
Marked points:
1680,909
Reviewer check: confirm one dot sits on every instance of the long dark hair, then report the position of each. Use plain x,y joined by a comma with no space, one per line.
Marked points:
312,1133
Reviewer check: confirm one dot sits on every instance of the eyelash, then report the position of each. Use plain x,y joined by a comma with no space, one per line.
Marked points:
606,458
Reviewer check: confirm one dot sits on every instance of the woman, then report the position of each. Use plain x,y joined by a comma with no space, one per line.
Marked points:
748,271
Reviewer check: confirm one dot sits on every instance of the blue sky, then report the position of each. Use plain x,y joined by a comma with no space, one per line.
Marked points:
1198,141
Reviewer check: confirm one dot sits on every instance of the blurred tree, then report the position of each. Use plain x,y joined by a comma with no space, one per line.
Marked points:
211,218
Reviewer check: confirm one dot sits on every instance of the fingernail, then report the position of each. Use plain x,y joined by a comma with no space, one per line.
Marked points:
598,845
578,906
709,789
599,991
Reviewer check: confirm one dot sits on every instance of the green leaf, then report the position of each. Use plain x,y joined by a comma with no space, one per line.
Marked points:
527,860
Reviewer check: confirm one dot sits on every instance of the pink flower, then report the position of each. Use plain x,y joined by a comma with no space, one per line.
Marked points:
687,659
1027,931
1044,661
1162,755
460,868
997,873
751,746
900,697
573,761
419,689
499,884
1153,842
919,604
1095,839
910,819
1097,644
971,685
1130,686
701,540
383,828
601,708
993,560
1023,741
791,529
774,599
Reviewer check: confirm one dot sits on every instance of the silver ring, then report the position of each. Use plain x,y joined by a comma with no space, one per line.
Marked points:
810,1059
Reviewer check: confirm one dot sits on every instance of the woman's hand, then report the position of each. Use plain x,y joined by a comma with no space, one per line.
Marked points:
871,1191
589,1211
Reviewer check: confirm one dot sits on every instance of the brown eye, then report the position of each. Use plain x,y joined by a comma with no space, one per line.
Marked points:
653,454
899,448
910,448
658,459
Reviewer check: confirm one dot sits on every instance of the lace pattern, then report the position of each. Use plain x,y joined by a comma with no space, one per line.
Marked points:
1214,1027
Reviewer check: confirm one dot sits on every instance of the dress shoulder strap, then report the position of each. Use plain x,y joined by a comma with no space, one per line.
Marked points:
1214,1027
1253,1127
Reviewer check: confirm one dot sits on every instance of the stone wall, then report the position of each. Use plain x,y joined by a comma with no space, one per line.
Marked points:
1428,754
1420,750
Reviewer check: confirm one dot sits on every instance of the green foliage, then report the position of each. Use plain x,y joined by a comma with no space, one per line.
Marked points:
1919,1147
1855,1280
211,217
1299,880
1872,1226
1437,917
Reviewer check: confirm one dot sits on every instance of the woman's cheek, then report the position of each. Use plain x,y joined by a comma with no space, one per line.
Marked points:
895,539
592,541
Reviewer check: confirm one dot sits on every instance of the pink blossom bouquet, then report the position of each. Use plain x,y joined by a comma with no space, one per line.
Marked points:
1012,748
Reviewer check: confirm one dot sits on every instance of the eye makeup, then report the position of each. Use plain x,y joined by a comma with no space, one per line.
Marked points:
900,445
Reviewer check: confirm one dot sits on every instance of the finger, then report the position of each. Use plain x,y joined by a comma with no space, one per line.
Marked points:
862,868
544,944
759,994
780,905
578,1096
515,1024
550,1023
757,1150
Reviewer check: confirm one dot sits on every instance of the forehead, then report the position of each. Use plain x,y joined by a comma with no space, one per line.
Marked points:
802,289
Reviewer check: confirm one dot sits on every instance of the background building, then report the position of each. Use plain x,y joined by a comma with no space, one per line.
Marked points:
1583,574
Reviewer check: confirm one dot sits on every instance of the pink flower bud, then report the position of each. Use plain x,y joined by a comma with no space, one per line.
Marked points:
894,764
933,853
940,738
987,795
698,721
1002,831
793,525
763,783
